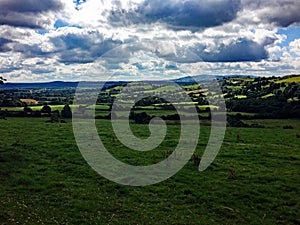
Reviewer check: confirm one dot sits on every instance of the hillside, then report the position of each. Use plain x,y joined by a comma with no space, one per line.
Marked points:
260,97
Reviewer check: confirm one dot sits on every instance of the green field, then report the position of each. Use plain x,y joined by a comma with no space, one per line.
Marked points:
240,96
295,79
273,123
34,108
53,107
45,180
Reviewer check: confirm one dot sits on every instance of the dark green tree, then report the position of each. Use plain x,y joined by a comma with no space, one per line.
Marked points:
66,111
2,113
46,109
27,109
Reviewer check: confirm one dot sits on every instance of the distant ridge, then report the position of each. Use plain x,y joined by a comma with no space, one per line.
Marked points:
57,85
54,84
206,78
91,84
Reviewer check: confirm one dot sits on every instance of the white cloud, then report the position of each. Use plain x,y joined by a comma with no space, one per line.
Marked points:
282,13
246,41
294,47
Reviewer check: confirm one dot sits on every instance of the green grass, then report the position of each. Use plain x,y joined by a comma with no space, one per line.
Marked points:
243,79
191,87
268,96
242,113
45,180
34,108
240,96
273,123
53,107
295,79
204,107
162,89
12,108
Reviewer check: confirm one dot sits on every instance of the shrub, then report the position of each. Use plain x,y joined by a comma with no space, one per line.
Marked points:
288,127
66,111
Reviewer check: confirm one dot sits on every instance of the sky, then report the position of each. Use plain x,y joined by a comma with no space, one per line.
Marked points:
75,40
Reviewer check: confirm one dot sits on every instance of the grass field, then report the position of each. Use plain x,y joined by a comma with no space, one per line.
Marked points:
290,80
273,123
267,96
240,96
34,108
45,180
53,107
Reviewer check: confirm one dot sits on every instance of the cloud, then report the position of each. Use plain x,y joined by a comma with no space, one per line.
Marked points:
69,45
294,47
3,44
29,13
38,70
188,14
162,37
242,50
75,45
9,64
282,13
223,50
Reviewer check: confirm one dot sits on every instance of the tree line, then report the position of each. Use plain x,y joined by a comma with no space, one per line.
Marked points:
46,111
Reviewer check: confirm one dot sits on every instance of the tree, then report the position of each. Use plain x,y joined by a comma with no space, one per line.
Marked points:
46,109
55,116
202,101
140,118
2,113
66,111
27,109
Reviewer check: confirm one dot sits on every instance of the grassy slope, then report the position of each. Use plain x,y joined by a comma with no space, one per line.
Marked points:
44,180
295,79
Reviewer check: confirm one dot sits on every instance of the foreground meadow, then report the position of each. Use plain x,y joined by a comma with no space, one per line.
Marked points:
255,178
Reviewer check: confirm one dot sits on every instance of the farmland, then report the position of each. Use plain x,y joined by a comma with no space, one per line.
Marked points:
45,180
267,97
254,179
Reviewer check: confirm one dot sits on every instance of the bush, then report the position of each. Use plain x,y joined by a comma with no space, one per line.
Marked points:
288,127
66,112
255,125
234,121
141,118
46,109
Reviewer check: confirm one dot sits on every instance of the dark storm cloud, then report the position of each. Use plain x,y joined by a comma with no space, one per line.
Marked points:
82,47
28,13
35,6
28,51
241,51
189,14
69,46
200,13
282,13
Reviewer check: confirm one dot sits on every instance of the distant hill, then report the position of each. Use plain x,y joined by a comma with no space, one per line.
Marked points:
180,81
62,84
57,85
205,78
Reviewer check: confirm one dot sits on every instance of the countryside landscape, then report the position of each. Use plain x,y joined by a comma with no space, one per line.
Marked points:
253,180
150,112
